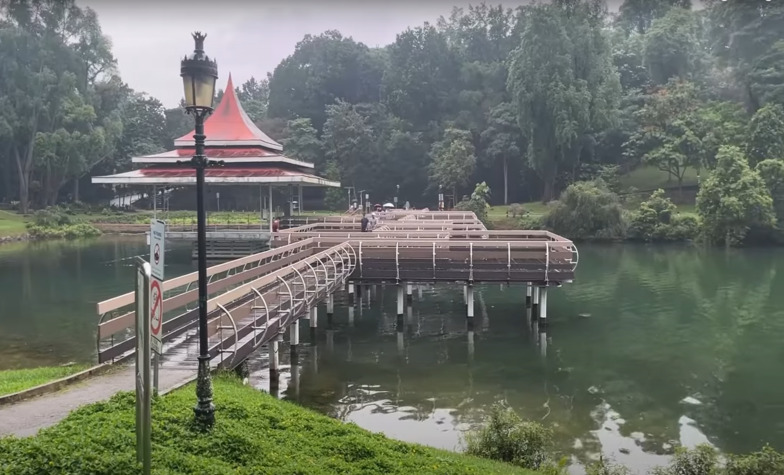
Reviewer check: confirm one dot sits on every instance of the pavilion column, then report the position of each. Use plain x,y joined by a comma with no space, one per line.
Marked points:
270,209
299,202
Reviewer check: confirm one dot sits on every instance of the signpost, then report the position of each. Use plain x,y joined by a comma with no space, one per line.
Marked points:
155,305
143,390
157,232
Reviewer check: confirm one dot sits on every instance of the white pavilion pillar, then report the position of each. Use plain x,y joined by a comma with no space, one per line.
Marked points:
299,201
270,209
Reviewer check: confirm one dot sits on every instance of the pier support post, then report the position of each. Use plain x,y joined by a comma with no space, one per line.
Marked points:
528,288
350,293
351,316
331,304
274,362
419,292
543,306
294,338
409,293
400,301
470,300
535,305
465,294
313,317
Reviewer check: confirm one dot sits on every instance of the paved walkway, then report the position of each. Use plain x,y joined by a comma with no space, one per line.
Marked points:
26,418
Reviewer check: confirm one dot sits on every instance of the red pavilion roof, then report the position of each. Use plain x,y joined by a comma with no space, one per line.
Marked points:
229,125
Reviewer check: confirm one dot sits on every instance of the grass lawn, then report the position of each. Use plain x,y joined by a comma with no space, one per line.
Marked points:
15,380
12,224
254,433
647,178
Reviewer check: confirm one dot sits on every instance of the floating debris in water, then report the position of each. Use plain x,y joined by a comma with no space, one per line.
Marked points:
593,390
584,315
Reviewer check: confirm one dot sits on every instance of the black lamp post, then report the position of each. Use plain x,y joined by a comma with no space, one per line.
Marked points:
397,193
199,73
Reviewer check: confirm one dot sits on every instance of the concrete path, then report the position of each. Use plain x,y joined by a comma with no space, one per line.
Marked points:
26,418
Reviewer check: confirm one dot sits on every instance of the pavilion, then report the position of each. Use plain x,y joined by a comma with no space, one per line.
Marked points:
249,155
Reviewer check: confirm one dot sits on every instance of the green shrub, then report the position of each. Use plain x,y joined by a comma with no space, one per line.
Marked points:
477,202
510,439
71,231
655,221
703,460
587,210
604,467
51,217
766,461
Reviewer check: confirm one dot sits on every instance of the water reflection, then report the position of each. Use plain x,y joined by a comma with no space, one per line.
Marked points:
628,350
49,290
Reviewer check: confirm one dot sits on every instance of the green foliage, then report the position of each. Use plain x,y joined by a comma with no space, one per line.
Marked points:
764,462
254,433
655,220
772,173
508,438
302,142
453,160
563,85
57,223
732,199
15,380
702,460
587,210
640,14
766,134
334,199
603,467
477,202
672,46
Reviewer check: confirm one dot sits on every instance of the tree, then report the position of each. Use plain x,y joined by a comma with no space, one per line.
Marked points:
743,35
334,197
302,142
254,96
672,46
419,81
348,140
669,135
766,134
732,199
502,141
51,57
640,14
323,69
564,86
772,173
453,160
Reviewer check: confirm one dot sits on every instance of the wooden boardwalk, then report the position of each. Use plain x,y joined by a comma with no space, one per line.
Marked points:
253,300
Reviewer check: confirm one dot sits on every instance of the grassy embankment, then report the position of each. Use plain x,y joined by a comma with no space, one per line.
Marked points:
644,180
254,433
12,224
15,380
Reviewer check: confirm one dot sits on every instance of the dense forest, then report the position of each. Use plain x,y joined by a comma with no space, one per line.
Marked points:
528,100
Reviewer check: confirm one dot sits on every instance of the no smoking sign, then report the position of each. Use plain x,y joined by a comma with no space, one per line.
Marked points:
156,315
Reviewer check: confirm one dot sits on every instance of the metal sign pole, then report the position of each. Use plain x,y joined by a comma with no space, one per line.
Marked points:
143,390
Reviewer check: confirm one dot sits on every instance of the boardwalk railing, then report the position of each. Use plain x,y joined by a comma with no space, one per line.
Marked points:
116,315
467,261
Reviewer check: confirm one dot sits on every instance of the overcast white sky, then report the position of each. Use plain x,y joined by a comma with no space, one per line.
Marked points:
248,38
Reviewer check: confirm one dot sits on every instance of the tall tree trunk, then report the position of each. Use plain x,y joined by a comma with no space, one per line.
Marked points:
506,181
549,186
24,182
76,190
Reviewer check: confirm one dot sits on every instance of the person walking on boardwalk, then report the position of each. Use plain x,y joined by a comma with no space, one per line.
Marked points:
364,223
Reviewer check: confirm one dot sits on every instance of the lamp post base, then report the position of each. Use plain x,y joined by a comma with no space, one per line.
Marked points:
204,409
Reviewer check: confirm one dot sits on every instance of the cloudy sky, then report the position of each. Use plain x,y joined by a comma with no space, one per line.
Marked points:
248,38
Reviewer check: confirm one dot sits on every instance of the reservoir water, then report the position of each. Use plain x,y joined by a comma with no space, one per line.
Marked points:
649,348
